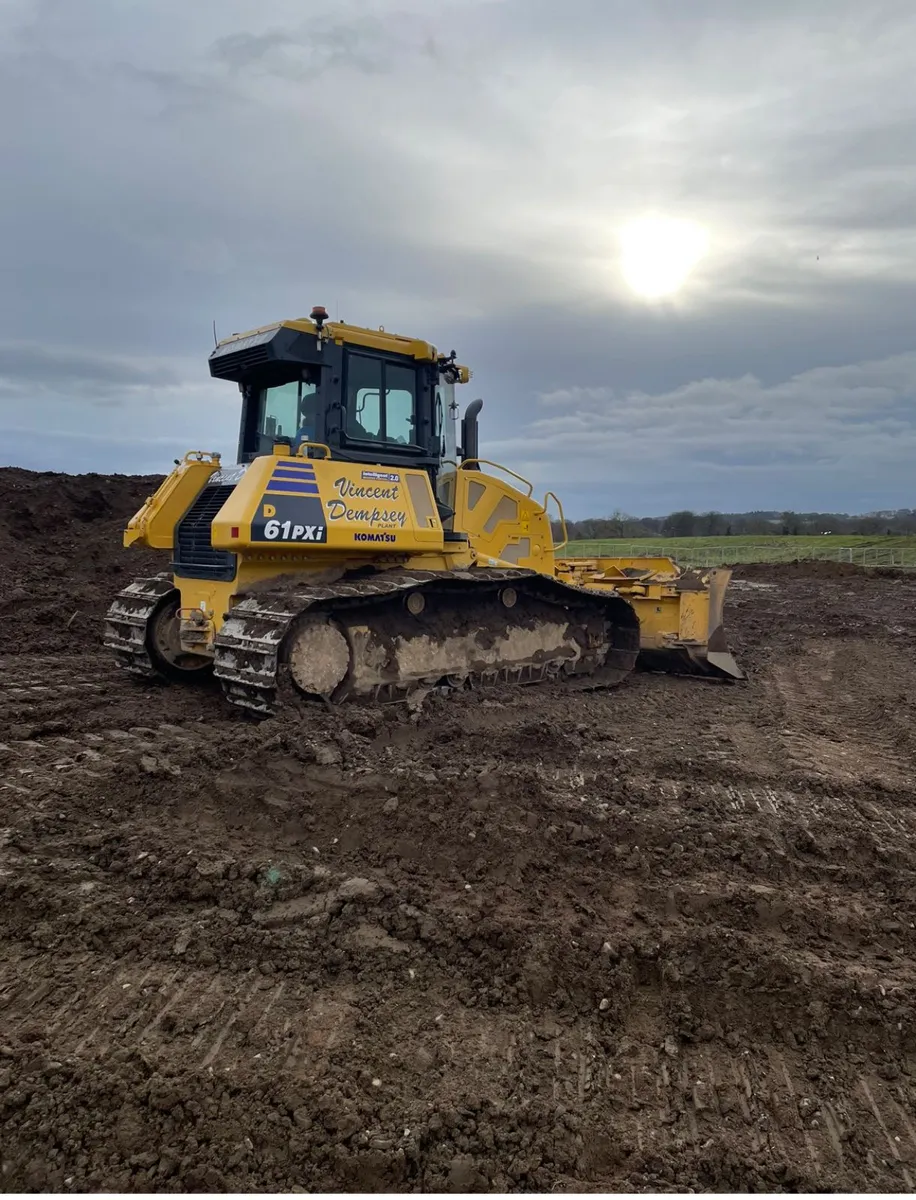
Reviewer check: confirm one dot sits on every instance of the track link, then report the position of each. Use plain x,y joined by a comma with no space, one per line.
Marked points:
127,620
248,647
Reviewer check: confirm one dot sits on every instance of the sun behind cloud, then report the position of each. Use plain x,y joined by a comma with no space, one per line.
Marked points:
659,253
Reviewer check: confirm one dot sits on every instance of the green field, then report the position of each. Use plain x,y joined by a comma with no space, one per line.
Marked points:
899,551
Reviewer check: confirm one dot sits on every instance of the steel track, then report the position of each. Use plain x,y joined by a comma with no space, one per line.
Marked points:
247,649
127,620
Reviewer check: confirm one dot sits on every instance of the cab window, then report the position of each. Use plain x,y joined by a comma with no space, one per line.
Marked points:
400,404
288,410
381,401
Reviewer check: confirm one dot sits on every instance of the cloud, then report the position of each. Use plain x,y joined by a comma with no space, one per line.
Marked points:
302,54
99,424
43,367
459,170
834,436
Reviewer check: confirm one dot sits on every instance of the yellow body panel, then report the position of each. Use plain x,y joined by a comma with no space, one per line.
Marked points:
356,335
505,525
323,507
373,339
154,524
660,567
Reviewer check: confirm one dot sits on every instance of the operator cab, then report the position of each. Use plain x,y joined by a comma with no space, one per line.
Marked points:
370,396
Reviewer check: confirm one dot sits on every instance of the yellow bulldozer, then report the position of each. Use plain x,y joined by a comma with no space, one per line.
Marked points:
361,547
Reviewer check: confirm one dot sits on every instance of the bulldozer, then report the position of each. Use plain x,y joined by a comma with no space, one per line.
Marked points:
360,547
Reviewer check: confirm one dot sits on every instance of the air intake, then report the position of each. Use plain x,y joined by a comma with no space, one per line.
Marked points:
195,557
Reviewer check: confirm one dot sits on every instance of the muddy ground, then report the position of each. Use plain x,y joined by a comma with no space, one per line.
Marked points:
655,939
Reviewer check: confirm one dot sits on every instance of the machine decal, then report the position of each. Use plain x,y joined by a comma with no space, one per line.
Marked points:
387,508
293,478
286,531
289,519
385,476
290,509
229,474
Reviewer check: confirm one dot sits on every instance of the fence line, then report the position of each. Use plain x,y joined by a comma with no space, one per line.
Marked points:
713,556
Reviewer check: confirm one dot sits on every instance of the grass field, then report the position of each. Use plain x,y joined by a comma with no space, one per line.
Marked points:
892,550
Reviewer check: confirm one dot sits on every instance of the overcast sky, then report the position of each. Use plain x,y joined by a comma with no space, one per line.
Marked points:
460,171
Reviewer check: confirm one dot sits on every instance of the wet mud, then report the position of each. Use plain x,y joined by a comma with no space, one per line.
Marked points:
659,938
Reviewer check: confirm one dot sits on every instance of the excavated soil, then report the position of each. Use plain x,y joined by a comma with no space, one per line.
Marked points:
657,939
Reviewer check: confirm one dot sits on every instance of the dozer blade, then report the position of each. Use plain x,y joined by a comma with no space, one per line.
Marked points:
690,660
681,628
692,640
718,655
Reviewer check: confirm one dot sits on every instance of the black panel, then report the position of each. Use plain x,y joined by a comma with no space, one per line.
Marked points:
283,355
275,351
195,556
241,362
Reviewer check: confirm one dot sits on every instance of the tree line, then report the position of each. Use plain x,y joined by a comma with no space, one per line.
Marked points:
685,523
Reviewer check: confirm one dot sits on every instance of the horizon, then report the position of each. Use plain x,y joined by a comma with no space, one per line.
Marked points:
773,514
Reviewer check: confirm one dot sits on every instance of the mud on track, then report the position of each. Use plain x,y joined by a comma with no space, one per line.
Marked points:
660,938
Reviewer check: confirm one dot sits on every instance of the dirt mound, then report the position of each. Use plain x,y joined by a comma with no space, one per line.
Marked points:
60,540
812,569
525,940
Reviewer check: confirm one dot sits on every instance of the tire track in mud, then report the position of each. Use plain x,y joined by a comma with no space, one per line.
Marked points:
840,713
660,1095
651,1097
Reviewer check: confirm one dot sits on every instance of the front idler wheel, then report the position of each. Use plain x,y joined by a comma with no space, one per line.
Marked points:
163,642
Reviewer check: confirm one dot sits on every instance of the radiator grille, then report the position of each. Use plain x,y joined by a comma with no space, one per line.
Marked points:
195,556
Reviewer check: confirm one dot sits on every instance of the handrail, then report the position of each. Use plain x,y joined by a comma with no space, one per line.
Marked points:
316,445
565,542
488,462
